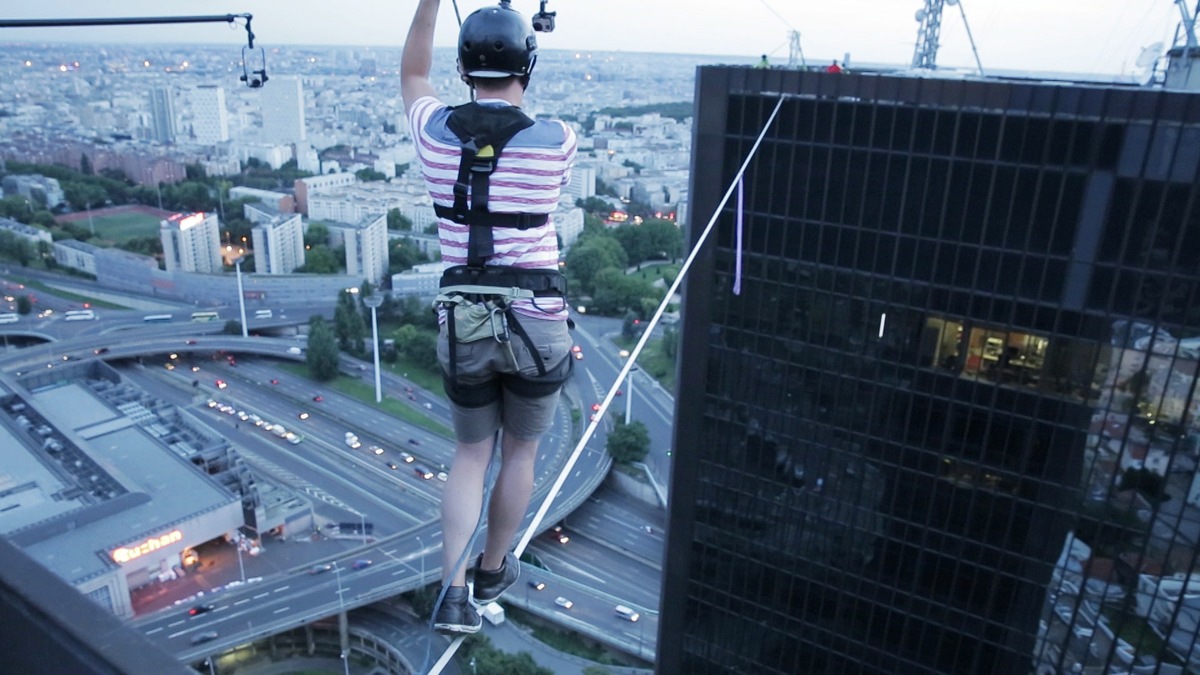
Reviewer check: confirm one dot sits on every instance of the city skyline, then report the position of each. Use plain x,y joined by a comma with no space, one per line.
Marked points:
1106,38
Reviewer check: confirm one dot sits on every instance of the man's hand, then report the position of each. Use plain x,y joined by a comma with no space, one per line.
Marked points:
417,60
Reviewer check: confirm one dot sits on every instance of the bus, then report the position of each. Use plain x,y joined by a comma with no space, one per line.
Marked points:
9,317
79,315
205,316
156,318
263,314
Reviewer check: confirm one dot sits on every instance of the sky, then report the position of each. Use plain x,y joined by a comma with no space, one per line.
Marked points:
1094,37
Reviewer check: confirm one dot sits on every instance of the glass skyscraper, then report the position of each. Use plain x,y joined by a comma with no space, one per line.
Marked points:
938,413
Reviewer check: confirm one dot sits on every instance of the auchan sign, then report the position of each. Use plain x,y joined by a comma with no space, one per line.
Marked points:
127,553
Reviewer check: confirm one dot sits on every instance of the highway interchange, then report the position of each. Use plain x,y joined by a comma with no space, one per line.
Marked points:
615,549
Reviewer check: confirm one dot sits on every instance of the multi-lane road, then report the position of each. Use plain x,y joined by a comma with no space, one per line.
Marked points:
616,545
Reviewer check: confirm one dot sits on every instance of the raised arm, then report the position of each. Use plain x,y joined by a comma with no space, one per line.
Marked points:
417,61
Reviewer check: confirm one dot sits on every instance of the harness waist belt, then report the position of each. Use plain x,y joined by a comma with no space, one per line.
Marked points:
519,221
542,283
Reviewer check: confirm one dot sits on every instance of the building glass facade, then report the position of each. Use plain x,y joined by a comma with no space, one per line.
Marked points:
938,413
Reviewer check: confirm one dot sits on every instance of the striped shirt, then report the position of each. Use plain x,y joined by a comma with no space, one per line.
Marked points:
532,170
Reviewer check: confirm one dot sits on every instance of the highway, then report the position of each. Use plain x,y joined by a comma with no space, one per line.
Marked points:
614,555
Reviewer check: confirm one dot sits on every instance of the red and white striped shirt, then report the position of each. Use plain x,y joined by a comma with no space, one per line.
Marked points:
530,173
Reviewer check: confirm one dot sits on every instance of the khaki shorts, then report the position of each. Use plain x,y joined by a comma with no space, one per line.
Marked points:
485,360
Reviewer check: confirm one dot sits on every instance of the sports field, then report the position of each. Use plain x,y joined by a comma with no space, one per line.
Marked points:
119,224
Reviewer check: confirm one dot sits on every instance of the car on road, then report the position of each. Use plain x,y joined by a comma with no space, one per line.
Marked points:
556,533
318,398
303,415
375,449
393,466
422,471
408,459
360,564
414,441
577,352
221,384
563,602
206,636
274,380
189,342
627,613
201,609
352,440
537,584
321,569
443,476
100,350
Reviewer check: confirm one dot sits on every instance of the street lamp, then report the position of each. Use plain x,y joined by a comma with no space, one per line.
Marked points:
237,262
629,386
337,571
374,301
422,545
237,545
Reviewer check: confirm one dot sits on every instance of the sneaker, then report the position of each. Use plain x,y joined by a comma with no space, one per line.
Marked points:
456,615
489,585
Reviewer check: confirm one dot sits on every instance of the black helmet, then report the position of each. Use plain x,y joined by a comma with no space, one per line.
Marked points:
496,42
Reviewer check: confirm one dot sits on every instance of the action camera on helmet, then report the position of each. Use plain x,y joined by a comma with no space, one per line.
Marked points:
543,21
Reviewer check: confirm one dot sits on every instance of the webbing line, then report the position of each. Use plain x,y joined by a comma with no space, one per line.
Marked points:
629,363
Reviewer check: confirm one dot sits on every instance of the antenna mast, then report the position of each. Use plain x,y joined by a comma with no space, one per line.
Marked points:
930,20
795,54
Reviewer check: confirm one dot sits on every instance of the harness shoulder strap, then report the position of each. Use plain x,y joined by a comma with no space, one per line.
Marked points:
483,132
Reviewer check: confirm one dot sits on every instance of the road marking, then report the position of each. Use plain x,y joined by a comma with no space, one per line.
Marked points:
281,588
281,610
261,595
242,601
152,631
172,625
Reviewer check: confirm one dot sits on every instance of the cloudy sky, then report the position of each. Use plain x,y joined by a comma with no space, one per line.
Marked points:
1078,36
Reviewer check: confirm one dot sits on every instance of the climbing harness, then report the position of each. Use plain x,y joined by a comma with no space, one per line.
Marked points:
630,362
477,297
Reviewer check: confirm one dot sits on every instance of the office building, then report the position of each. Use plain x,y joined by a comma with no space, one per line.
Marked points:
106,486
210,117
191,242
283,110
162,115
304,187
939,407
278,239
41,191
366,245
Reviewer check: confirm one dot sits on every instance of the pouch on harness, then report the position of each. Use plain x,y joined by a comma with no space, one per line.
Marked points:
478,298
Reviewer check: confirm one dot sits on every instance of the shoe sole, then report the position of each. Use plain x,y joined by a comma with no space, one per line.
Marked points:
457,628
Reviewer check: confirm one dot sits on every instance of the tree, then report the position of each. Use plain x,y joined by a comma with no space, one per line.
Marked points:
319,260
369,175
24,304
397,221
614,292
629,442
317,234
322,352
589,256
348,324
233,327
85,165
418,346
